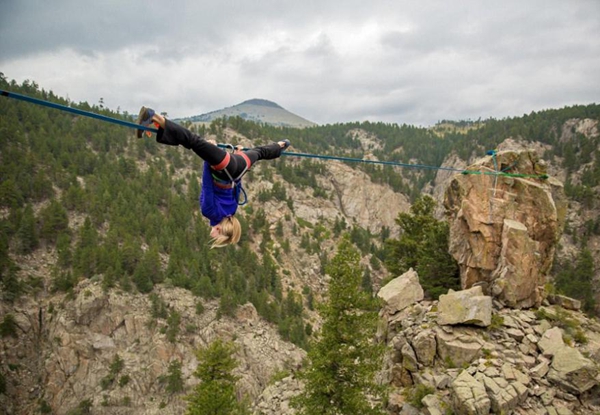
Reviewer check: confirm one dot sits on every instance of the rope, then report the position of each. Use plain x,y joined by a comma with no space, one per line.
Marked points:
287,153
75,111
413,166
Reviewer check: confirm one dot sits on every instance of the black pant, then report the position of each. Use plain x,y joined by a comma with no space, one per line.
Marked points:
173,134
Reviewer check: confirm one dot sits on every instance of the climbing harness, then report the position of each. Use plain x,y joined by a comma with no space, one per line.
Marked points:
233,183
502,173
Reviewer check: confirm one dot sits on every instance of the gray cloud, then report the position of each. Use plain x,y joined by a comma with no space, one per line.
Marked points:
329,61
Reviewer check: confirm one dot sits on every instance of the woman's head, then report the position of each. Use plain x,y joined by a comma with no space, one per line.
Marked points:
228,231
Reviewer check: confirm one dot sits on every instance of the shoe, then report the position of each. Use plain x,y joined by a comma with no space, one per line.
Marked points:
145,119
286,144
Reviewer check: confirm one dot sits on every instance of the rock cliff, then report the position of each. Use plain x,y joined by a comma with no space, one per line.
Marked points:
504,229
66,347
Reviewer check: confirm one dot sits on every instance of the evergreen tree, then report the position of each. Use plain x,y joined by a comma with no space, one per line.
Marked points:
27,233
10,195
423,246
86,252
342,363
63,248
54,220
142,280
576,280
215,394
12,287
173,378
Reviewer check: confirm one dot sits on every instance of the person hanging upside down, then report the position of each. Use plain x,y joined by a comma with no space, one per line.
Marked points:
222,175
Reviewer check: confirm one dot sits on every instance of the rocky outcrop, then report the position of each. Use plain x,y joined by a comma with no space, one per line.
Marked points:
504,229
74,344
276,398
377,206
518,364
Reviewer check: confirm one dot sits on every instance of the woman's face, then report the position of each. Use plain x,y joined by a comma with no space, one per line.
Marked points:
215,231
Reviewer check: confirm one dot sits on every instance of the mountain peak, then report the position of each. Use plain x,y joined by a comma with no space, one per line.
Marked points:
257,110
261,102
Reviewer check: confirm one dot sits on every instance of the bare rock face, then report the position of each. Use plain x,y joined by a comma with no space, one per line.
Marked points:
504,229
67,351
355,197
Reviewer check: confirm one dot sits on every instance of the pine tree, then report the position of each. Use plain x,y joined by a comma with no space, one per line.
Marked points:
27,233
575,279
10,195
423,246
215,394
86,252
54,220
173,378
342,363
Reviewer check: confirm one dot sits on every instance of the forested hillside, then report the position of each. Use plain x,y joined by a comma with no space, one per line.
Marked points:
138,210
138,201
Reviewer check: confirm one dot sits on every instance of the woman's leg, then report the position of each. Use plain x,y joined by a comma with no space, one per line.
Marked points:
173,134
266,152
238,165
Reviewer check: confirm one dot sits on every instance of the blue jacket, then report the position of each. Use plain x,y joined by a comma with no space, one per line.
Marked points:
216,203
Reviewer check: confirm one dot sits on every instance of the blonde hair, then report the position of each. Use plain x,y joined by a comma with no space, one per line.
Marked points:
231,231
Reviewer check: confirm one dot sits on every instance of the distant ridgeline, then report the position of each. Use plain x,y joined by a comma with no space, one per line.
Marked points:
257,110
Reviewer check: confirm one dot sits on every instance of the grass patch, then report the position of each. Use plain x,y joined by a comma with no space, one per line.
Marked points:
415,395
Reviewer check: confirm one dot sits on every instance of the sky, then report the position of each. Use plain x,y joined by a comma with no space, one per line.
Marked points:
329,61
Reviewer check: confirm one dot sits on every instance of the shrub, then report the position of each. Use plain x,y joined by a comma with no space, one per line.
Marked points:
415,395
8,327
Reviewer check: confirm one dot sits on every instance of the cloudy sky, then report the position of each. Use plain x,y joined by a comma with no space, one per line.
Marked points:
414,62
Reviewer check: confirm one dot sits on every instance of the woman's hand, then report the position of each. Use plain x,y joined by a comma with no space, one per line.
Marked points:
213,142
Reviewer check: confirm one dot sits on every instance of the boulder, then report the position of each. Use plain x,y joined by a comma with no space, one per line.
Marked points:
592,347
432,405
511,373
469,396
247,314
457,349
504,398
401,292
540,370
465,307
424,345
551,342
409,359
408,409
572,372
564,301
